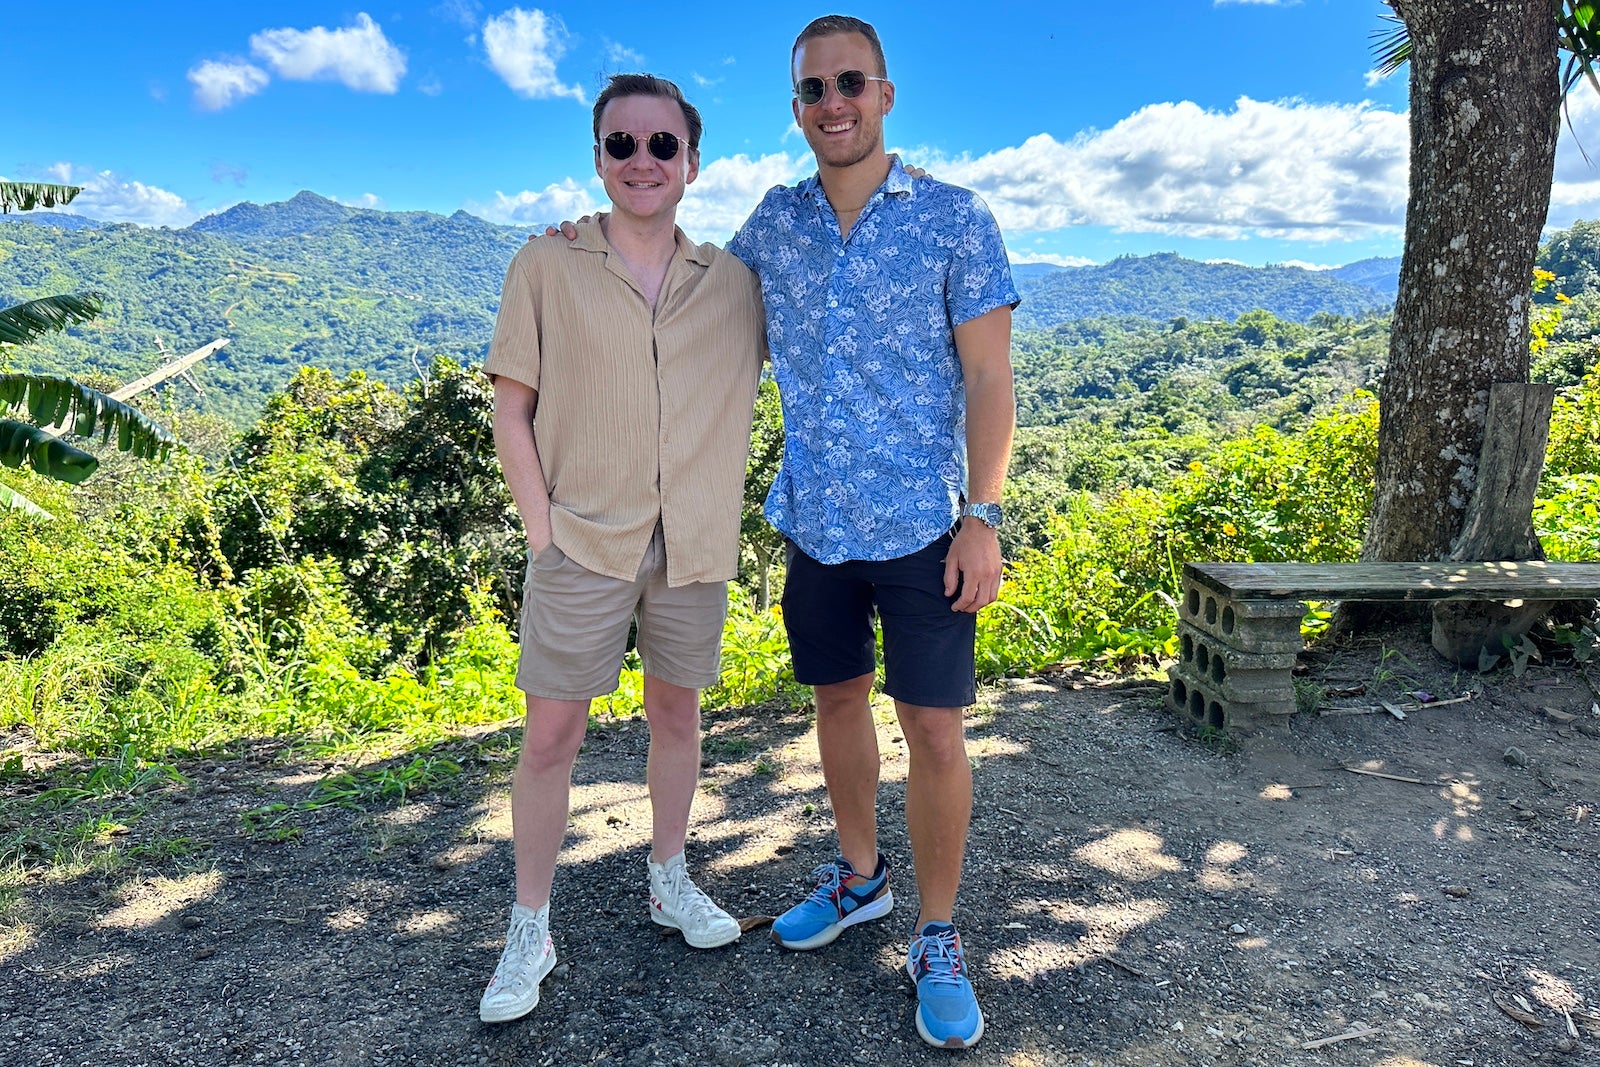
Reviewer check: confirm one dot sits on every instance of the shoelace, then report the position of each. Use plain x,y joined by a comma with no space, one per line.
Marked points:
524,941
933,956
692,900
830,879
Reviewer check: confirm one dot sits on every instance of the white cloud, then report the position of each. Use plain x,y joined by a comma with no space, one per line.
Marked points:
564,200
218,83
1055,258
1303,265
1575,193
620,57
523,47
1286,170
430,86
463,13
365,200
728,189
109,197
360,56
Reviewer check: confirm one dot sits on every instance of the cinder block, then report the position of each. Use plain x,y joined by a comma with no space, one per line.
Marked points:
1201,702
1263,627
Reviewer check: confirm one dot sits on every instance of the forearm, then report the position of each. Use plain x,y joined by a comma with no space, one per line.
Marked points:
991,423
514,443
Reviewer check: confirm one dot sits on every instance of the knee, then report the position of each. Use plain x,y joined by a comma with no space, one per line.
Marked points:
550,745
844,699
935,738
672,712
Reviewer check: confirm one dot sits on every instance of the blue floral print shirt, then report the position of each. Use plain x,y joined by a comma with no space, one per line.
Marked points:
862,338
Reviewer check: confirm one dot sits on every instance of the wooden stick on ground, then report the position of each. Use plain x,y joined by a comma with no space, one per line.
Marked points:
1388,777
1351,1035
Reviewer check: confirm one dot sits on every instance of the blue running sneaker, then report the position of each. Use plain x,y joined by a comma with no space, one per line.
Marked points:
832,906
947,1010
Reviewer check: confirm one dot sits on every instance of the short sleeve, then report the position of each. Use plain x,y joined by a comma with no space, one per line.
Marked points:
746,244
980,272
514,351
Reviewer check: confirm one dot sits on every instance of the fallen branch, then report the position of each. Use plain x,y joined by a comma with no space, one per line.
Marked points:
1373,709
1348,1036
1389,777
1136,972
1528,1019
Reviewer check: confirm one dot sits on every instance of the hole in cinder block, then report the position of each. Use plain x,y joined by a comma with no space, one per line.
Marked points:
1215,716
1211,611
1193,602
1197,707
1227,620
1186,648
1202,658
1219,670
1180,693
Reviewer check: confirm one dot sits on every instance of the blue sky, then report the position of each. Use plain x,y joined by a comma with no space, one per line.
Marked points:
1249,130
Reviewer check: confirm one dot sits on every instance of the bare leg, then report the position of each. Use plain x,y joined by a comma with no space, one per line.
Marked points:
848,744
674,767
552,733
938,804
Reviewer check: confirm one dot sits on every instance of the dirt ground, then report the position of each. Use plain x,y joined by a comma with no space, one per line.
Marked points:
1133,896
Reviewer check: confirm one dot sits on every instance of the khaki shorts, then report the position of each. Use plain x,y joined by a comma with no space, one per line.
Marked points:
575,627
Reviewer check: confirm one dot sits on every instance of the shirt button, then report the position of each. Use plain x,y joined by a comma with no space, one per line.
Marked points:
833,303
829,399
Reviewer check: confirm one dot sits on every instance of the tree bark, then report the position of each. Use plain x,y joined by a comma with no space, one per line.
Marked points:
1485,109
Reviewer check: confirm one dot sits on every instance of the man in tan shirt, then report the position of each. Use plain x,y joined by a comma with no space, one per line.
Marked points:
625,367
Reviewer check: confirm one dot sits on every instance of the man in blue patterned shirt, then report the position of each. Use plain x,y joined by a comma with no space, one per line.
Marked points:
888,303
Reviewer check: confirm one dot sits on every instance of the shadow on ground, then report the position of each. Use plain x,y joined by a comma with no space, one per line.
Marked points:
1132,897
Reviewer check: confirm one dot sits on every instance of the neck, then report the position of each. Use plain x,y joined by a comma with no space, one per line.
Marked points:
849,188
640,239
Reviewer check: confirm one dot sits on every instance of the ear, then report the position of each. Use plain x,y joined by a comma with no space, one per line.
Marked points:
887,88
598,169
794,105
693,170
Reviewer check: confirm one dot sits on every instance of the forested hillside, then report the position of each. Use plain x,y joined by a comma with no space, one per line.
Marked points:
1167,285
311,281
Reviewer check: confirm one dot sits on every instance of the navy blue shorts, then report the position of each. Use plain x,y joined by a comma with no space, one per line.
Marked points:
927,648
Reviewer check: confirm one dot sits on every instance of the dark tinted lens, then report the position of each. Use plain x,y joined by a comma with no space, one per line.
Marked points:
850,83
810,90
663,145
621,145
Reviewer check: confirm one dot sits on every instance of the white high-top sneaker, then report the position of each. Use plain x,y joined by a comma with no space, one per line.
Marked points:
676,902
528,956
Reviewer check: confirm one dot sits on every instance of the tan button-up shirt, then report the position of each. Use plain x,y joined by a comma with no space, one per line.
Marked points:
643,413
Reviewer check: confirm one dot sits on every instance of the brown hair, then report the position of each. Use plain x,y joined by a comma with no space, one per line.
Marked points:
622,85
830,25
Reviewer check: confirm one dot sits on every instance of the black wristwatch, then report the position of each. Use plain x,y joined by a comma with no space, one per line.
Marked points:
988,514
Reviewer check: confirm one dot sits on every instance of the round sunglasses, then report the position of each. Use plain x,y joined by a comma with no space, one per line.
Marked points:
850,83
622,145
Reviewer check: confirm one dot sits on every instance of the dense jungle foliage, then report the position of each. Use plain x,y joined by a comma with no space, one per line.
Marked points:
345,572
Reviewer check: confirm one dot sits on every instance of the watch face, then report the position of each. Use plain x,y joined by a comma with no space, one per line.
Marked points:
989,514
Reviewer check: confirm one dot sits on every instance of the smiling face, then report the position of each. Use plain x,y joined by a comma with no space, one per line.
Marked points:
842,132
645,188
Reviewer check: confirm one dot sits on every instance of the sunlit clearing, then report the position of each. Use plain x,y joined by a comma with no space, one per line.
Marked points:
428,922
1100,927
755,842
346,919
1464,833
1554,992
1133,855
15,940
1219,857
1276,791
1404,1061
148,902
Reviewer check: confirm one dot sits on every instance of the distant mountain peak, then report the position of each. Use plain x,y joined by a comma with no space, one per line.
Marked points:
305,212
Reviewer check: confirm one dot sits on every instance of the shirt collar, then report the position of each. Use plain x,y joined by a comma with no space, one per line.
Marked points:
897,183
592,239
